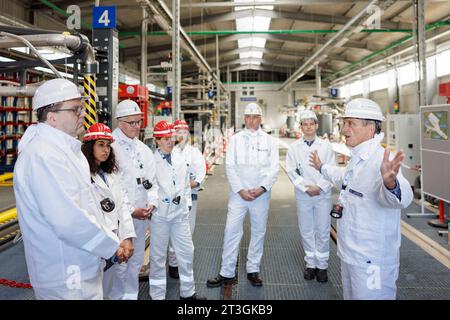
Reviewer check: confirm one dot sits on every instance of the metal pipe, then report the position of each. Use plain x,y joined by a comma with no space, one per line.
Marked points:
421,48
176,61
217,83
303,68
227,4
41,40
144,26
32,48
26,30
26,91
318,81
228,32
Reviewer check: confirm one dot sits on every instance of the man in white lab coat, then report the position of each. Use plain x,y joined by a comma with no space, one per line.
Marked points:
197,172
252,166
137,171
171,221
313,195
60,219
373,192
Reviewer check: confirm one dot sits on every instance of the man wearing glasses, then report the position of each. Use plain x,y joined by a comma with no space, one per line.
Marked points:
60,219
137,170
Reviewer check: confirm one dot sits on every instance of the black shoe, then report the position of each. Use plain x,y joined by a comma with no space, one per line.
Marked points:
309,273
173,272
195,296
218,281
254,279
321,275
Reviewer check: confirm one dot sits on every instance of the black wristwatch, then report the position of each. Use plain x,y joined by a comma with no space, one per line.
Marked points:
265,190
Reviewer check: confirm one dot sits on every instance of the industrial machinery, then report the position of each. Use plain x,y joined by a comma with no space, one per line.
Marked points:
403,134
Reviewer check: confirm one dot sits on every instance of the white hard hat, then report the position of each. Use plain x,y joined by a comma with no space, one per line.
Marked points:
127,108
308,114
253,108
55,90
362,108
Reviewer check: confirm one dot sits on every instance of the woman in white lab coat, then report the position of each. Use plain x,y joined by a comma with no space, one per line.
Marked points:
112,200
197,172
171,220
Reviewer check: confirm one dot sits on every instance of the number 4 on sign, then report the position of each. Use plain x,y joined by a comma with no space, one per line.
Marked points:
104,18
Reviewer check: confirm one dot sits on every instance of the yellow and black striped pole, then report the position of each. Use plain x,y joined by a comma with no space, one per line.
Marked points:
90,110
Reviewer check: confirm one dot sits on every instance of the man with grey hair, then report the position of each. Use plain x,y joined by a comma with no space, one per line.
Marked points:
373,192
60,219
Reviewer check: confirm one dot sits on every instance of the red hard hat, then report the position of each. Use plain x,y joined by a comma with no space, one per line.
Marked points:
98,131
163,129
181,124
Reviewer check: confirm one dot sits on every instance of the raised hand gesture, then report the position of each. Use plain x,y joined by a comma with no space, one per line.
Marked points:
389,168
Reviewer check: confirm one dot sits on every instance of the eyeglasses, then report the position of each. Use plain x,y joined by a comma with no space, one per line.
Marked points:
77,110
133,123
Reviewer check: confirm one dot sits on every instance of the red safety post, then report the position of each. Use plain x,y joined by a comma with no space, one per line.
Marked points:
441,222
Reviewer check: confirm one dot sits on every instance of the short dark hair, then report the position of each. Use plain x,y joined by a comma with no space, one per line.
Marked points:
377,124
44,111
108,166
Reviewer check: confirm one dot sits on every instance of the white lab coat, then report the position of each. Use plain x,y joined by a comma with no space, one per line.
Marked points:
252,161
118,220
313,212
60,219
369,231
197,171
171,223
135,160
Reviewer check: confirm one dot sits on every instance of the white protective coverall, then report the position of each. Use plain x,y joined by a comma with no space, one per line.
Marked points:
369,231
135,161
60,219
171,222
119,220
197,172
252,161
313,212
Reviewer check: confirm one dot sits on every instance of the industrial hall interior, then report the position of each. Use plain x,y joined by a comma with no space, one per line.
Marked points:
231,150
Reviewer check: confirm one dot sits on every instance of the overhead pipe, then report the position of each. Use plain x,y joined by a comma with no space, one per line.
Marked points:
228,32
228,4
42,40
75,43
23,91
27,43
144,27
308,63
